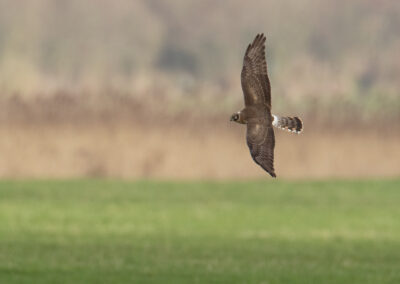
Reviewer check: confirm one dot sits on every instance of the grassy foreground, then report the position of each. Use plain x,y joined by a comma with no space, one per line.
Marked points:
164,232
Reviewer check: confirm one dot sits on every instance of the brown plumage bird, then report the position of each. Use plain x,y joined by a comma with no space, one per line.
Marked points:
257,112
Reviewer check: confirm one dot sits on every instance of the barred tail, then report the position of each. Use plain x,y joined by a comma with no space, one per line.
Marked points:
292,124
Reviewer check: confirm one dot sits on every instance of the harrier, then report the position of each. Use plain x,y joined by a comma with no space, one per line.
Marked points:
257,111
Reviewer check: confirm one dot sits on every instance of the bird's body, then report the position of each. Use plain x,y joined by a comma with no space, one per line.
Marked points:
257,111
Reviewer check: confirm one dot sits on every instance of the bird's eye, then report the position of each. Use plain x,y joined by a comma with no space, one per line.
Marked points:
236,117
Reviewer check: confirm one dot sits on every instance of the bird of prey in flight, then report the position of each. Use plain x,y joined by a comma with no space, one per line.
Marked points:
257,111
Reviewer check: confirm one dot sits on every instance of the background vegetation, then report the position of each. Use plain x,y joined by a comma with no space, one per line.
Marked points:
112,84
342,53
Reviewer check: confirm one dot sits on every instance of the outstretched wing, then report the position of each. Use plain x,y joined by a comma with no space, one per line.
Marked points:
261,142
255,82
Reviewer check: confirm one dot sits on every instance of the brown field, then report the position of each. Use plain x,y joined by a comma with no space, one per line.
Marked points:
186,148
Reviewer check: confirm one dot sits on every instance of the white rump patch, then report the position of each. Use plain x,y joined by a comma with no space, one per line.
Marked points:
275,121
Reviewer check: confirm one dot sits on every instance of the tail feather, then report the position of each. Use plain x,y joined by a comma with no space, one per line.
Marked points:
291,124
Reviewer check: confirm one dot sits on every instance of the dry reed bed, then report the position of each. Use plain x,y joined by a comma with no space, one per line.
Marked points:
117,136
210,151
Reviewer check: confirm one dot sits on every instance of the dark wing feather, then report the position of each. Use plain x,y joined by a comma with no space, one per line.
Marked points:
261,142
255,82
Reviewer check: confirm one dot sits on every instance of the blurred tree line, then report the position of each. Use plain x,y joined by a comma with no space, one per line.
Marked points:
317,50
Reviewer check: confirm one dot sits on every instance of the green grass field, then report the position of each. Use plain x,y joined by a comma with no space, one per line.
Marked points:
199,232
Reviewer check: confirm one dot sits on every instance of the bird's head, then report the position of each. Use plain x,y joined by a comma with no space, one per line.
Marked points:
236,117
